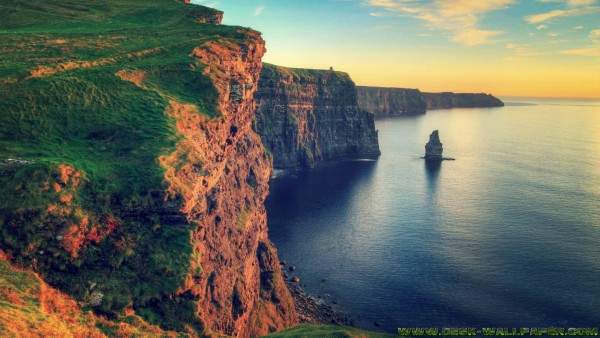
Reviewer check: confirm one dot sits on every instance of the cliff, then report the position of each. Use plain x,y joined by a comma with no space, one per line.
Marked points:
137,184
402,101
460,100
391,101
305,116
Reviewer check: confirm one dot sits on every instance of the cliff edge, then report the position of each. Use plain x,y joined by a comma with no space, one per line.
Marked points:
304,116
136,184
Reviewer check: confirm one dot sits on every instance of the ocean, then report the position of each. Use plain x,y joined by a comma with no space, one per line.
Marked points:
508,235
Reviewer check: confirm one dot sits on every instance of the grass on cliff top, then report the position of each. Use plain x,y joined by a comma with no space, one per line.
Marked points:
31,308
80,112
310,330
62,103
275,72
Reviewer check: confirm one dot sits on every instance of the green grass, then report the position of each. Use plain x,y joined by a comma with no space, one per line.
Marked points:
27,303
111,131
271,71
309,330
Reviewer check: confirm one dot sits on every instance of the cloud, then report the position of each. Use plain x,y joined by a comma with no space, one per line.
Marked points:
572,3
593,50
557,13
378,14
472,37
522,51
578,27
595,36
540,27
461,17
576,3
576,8
588,51
259,10
470,7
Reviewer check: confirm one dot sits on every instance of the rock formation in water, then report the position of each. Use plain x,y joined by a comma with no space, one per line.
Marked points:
433,148
305,116
460,100
390,101
146,191
401,101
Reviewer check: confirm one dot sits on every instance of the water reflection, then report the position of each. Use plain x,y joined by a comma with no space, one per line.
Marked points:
506,235
331,185
432,168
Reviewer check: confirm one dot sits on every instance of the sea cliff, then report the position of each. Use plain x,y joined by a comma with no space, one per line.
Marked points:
448,100
391,101
139,183
305,116
402,101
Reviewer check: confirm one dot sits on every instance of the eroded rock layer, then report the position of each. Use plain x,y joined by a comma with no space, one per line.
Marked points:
305,116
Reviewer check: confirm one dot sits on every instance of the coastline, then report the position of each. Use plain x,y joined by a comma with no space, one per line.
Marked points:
313,310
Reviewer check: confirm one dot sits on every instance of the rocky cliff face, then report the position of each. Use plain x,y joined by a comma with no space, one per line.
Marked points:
401,101
152,204
240,287
461,100
306,116
391,101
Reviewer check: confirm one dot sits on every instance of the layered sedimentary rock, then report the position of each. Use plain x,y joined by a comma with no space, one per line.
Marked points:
390,101
402,101
241,291
305,116
433,148
448,100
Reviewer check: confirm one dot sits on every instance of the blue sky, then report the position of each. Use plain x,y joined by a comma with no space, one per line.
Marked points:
509,47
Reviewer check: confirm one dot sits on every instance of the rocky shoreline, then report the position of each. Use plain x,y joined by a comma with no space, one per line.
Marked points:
313,310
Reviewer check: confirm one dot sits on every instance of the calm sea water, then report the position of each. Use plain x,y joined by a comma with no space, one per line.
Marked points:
507,235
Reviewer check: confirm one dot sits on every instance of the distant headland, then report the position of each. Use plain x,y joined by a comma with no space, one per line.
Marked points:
381,101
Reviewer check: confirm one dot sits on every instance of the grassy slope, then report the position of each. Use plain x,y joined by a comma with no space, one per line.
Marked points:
31,308
308,330
63,105
275,72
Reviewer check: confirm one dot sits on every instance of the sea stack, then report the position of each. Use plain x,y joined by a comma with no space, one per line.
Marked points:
433,148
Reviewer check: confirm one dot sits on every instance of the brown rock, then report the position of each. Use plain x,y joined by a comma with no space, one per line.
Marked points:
241,292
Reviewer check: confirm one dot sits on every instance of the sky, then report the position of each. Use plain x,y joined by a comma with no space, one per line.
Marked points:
527,48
